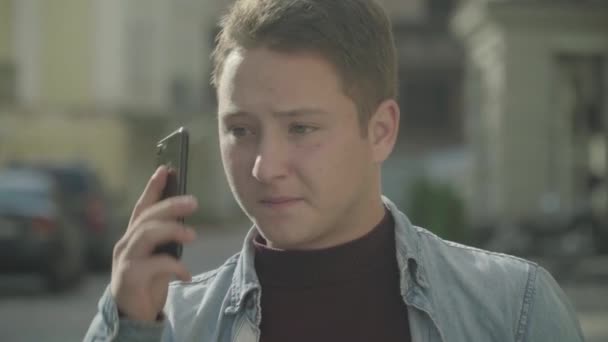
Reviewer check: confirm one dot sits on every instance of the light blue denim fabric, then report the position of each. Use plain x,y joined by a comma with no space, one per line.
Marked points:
453,293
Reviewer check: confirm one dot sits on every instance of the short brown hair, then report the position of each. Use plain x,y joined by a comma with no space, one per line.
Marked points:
354,35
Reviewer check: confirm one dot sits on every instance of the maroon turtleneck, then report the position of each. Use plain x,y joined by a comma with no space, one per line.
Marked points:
348,292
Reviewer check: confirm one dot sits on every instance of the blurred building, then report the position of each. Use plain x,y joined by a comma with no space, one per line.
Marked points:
536,105
431,69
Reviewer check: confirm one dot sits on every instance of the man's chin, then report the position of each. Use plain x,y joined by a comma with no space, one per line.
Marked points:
264,216
274,227
283,235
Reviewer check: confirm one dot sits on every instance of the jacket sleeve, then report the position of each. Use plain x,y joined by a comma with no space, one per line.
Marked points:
107,326
551,315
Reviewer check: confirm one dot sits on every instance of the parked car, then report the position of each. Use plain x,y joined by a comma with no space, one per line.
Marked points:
36,234
82,192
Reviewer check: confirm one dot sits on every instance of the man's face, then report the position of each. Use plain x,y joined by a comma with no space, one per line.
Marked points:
292,148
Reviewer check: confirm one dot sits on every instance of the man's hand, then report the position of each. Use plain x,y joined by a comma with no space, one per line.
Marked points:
140,279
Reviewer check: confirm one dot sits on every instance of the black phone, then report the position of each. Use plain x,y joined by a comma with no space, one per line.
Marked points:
172,151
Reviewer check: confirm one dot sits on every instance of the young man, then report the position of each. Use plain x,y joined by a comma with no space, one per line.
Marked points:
307,115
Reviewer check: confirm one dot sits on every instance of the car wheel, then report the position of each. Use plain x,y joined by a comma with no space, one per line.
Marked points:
67,265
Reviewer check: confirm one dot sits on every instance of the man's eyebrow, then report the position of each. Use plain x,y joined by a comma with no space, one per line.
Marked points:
300,112
235,114
288,113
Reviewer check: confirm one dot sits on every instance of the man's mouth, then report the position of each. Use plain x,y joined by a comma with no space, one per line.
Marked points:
279,201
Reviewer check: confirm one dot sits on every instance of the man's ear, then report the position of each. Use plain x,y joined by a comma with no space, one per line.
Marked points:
383,129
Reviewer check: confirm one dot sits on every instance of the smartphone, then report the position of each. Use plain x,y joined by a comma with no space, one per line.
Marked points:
172,151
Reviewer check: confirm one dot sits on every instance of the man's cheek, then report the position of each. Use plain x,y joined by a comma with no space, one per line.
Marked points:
234,162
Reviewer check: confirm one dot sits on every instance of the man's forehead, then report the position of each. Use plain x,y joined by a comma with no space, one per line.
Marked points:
256,60
277,84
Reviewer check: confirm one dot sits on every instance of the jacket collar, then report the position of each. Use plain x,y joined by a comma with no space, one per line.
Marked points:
409,254
245,279
245,282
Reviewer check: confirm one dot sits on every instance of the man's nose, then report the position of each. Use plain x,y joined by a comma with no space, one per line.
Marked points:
271,160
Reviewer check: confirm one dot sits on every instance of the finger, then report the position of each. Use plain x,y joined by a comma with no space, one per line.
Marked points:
154,233
152,193
169,209
163,265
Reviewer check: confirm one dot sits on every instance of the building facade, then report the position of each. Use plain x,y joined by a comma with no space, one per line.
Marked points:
536,106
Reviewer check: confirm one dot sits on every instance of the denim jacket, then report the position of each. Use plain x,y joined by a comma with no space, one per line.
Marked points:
452,292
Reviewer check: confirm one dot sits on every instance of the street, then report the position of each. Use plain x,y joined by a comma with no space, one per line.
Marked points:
29,313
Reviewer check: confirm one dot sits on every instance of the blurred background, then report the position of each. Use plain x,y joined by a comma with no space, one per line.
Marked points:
503,142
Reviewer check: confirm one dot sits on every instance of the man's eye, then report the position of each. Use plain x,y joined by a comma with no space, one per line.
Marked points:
238,131
301,129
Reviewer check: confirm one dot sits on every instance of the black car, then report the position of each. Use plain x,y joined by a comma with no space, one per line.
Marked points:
86,203
36,234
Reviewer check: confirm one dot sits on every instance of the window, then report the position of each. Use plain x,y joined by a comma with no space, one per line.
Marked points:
430,109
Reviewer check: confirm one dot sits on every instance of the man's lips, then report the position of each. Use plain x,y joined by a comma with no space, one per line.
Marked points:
275,202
